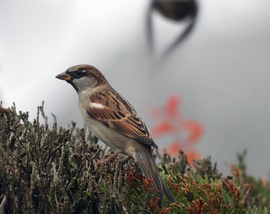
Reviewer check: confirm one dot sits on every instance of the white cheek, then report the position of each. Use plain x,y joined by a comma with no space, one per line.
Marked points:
96,105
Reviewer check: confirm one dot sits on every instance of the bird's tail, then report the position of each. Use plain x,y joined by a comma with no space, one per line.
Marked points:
149,168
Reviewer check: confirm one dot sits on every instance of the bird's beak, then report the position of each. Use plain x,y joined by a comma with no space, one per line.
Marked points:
64,76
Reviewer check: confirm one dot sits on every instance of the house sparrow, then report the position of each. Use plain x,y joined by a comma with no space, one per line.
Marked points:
112,119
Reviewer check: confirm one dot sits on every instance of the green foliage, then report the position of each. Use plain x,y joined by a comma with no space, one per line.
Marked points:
47,169
259,194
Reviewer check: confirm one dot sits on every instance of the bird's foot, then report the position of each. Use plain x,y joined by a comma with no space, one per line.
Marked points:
111,157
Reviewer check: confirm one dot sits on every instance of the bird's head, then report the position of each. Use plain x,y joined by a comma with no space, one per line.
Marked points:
83,77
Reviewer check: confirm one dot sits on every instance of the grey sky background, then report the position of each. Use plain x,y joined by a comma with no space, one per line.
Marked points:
221,72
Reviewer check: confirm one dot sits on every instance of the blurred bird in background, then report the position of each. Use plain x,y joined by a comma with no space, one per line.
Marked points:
174,10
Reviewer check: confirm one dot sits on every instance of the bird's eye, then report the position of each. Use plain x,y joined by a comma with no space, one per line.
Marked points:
79,73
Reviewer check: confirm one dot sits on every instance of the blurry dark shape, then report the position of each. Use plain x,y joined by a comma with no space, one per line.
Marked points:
175,10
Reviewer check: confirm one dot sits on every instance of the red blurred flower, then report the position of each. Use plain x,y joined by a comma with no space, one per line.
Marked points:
162,128
174,148
195,130
171,107
170,122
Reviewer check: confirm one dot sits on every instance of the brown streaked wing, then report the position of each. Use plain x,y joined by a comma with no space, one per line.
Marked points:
118,114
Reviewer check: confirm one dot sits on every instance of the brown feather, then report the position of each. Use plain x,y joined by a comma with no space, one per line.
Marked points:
147,164
118,114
